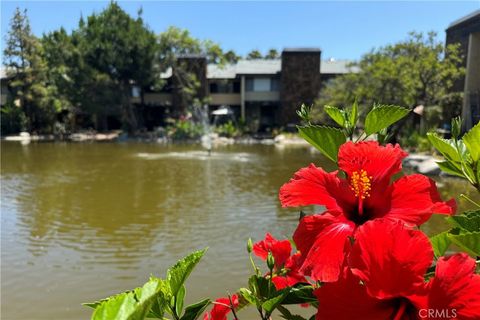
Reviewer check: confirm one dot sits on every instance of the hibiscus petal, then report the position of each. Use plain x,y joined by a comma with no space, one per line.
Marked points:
390,258
347,299
455,287
221,308
289,280
280,249
380,162
415,198
323,241
314,186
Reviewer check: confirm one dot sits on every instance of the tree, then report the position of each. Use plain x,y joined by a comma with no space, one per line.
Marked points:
231,57
272,54
121,50
175,43
417,71
27,71
59,53
254,54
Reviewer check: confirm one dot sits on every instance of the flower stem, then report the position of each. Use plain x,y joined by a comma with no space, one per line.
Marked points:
470,200
232,307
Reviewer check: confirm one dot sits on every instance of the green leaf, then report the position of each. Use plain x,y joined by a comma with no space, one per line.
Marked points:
179,300
162,300
447,167
383,116
177,275
336,114
193,311
248,296
286,314
260,286
444,146
326,139
468,241
472,213
469,173
133,305
478,171
440,243
298,295
95,304
469,223
272,303
472,141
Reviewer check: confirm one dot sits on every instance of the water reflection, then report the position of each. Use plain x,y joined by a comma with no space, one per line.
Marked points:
81,221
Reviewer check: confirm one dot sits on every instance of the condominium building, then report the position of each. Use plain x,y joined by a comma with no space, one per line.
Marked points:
466,32
264,93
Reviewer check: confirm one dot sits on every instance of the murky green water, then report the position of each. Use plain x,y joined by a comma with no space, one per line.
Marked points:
82,221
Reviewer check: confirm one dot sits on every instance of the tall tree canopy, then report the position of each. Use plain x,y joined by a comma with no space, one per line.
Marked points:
26,67
272,54
123,49
417,71
254,54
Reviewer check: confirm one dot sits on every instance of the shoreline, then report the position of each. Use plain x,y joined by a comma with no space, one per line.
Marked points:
120,136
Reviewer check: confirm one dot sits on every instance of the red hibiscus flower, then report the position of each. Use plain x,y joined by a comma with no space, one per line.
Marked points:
385,279
221,308
455,289
286,271
365,194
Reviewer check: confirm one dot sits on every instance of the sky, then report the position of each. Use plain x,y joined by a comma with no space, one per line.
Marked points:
343,30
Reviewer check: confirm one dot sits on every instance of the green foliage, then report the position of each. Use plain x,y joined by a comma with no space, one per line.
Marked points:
383,116
12,118
177,275
440,243
26,69
472,142
419,70
462,157
183,129
326,139
272,54
467,241
155,298
228,130
329,139
336,114
132,305
195,310
254,54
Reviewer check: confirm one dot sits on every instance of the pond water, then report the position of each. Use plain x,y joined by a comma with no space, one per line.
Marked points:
82,221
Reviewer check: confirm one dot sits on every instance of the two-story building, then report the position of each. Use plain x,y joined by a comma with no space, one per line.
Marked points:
264,93
466,32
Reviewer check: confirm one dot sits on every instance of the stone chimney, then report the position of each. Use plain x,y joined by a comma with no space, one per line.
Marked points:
300,81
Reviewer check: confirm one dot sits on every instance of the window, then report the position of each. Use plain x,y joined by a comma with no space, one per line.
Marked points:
261,84
275,85
224,86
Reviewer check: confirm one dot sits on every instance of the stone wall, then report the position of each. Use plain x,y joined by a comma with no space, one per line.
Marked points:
300,81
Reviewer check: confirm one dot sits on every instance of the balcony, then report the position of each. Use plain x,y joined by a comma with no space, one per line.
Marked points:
225,99
158,99
262,96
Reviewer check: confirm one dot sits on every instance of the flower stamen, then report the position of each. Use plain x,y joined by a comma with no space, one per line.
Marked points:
361,184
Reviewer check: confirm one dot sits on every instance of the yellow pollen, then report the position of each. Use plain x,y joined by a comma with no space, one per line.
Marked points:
361,184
